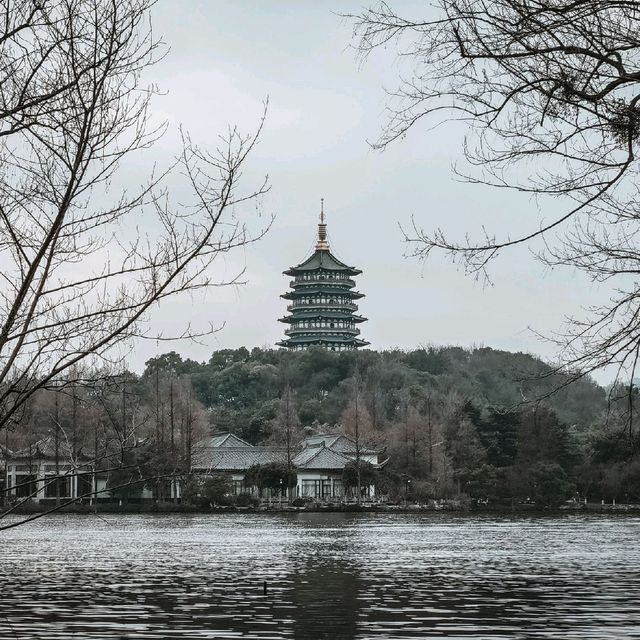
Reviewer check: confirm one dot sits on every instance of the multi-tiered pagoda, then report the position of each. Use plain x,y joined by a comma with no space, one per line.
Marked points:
322,302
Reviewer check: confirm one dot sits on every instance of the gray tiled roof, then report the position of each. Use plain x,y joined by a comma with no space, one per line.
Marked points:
221,453
340,443
323,260
225,440
320,458
236,458
46,449
317,441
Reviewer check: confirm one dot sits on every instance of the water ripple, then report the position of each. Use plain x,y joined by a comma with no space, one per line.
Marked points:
329,576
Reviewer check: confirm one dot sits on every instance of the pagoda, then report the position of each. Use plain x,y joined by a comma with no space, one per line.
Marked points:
322,301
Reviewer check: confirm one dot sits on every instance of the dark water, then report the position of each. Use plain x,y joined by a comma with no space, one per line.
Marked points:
329,576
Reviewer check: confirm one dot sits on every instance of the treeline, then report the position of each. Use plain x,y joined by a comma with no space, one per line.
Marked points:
489,424
139,431
483,423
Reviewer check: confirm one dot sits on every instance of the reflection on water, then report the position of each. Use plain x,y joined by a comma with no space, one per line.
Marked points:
329,576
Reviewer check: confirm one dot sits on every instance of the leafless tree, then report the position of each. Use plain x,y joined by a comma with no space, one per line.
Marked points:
84,257
549,92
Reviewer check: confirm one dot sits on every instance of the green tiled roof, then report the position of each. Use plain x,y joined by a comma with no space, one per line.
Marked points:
323,259
344,291
323,340
301,314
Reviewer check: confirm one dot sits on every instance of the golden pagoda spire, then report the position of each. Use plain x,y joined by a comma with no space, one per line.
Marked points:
322,245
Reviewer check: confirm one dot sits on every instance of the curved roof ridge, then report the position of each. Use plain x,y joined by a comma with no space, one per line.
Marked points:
323,258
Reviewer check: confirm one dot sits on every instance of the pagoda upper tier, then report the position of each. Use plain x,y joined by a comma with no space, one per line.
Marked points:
322,302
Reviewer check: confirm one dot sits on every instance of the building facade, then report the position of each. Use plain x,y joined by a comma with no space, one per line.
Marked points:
40,473
44,472
322,302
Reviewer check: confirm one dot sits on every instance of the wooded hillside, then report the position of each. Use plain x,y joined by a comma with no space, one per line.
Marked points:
482,423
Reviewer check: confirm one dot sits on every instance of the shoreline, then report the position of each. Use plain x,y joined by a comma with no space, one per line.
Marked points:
451,507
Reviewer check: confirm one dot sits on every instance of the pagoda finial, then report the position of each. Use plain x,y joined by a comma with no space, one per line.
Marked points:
322,245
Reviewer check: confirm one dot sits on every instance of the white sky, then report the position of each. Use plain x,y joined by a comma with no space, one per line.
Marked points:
225,59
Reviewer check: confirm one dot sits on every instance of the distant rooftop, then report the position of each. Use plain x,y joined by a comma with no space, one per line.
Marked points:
225,439
46,449
236,458
228,452
339,443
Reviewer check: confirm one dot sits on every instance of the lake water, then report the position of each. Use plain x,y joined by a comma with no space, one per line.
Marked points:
328,575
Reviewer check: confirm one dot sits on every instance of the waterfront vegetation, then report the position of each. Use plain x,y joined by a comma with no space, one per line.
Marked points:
477,426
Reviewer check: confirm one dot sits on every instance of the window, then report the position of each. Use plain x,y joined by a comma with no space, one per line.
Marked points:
61,483
237,486
84,484
28,486
311,488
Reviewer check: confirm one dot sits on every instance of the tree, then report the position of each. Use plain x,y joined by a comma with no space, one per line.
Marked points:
498,435
273,475
286,432
216,488
550,95
465,451
356,476
548,484
85,257
356,423
542,437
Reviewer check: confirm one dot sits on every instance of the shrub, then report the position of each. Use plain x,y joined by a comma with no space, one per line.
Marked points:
301,502
216,489
368,475
246,500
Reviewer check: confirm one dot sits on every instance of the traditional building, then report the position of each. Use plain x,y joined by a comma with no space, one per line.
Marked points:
318,463
44,471
322,301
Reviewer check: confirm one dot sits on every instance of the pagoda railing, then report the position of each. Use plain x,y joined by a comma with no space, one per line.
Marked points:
338,282
297,306
325,277
323,330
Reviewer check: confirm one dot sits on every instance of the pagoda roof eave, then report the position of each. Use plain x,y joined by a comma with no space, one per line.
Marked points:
322,259
307,315
330,339
343,292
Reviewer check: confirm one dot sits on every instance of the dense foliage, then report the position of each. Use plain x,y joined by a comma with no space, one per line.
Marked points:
494,425
487,424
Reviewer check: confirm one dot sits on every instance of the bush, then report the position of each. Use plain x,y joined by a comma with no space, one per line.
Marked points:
301,502
273,475
368,475
216,489
246,500
190,487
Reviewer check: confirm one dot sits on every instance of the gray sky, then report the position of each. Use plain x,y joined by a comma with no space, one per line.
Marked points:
225,59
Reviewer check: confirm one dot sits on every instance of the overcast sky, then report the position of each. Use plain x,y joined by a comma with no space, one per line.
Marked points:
225,59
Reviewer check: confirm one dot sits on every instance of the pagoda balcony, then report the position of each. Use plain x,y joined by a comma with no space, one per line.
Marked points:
339,282
299,306
325,331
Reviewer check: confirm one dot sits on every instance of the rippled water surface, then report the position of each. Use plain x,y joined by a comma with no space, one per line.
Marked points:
328,575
